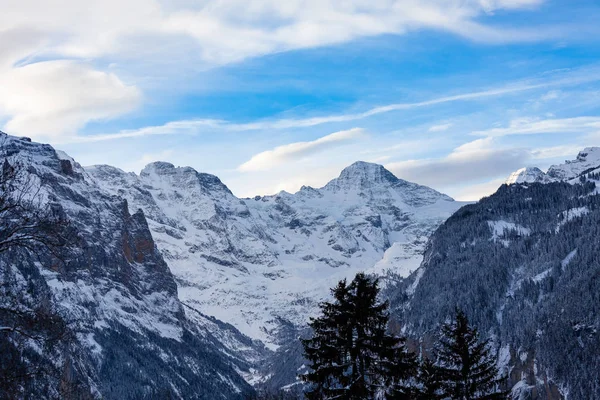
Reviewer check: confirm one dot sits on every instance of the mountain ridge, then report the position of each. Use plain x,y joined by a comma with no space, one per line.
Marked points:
280,243
587,160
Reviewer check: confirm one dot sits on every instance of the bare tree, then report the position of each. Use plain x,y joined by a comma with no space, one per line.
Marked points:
30,327
27,220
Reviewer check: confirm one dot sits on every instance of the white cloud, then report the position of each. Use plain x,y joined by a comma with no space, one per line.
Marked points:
146,34
472,161
183,127
146,158
556,151
551,95
55,98
476,191
531,126
294,151
229,31
440,128
194,126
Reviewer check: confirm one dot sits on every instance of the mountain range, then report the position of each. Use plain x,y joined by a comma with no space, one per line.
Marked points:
185,288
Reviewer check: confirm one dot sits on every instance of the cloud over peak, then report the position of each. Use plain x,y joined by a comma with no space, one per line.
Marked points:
298,150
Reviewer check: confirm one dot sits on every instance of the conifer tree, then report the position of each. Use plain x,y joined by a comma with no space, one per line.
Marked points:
466,366
325,350
351,354
429,382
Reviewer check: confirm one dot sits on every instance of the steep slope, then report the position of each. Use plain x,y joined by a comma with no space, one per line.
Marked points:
131,338
523,263
263,264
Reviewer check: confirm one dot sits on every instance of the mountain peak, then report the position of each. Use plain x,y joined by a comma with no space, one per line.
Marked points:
587,160
589,154
526,175
363,174
158,167
182,177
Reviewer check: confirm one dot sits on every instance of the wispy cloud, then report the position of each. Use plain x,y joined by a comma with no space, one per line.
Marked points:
54,99
294,151
531,126
202,35
557,151
195,126
440,128
183,127
229,31
472,161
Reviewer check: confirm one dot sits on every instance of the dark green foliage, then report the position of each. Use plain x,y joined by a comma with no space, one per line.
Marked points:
351,354
466,367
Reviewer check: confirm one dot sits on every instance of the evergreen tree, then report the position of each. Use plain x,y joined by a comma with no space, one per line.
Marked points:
429,380
466,367
351,354
325,351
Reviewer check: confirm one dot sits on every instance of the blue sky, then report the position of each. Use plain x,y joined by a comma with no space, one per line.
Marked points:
269,96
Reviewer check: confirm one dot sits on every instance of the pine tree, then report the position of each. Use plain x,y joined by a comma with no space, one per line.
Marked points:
325,350
429,382
466,366
351,354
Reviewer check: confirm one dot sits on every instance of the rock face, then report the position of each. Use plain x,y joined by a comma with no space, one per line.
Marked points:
263,264
131,337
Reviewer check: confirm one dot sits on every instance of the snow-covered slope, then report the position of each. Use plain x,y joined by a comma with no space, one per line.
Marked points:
263,264
587,161
115,292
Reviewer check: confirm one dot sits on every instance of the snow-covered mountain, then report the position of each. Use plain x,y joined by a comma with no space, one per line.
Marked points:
264,264
526,175
185,288
587,161
523,264
129,334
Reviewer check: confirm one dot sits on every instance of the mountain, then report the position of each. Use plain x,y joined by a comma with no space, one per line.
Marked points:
129,336
526,175
178,288
587,161
264,264
523,264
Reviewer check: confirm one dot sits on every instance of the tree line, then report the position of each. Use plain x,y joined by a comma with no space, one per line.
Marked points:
352,354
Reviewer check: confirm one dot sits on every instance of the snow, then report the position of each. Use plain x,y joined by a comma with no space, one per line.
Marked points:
541,276
567,260
501,228
503,363
587,160
526,175
570,215
521,390
255,263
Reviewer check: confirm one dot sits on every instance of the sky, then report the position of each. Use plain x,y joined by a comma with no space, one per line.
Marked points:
270,95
